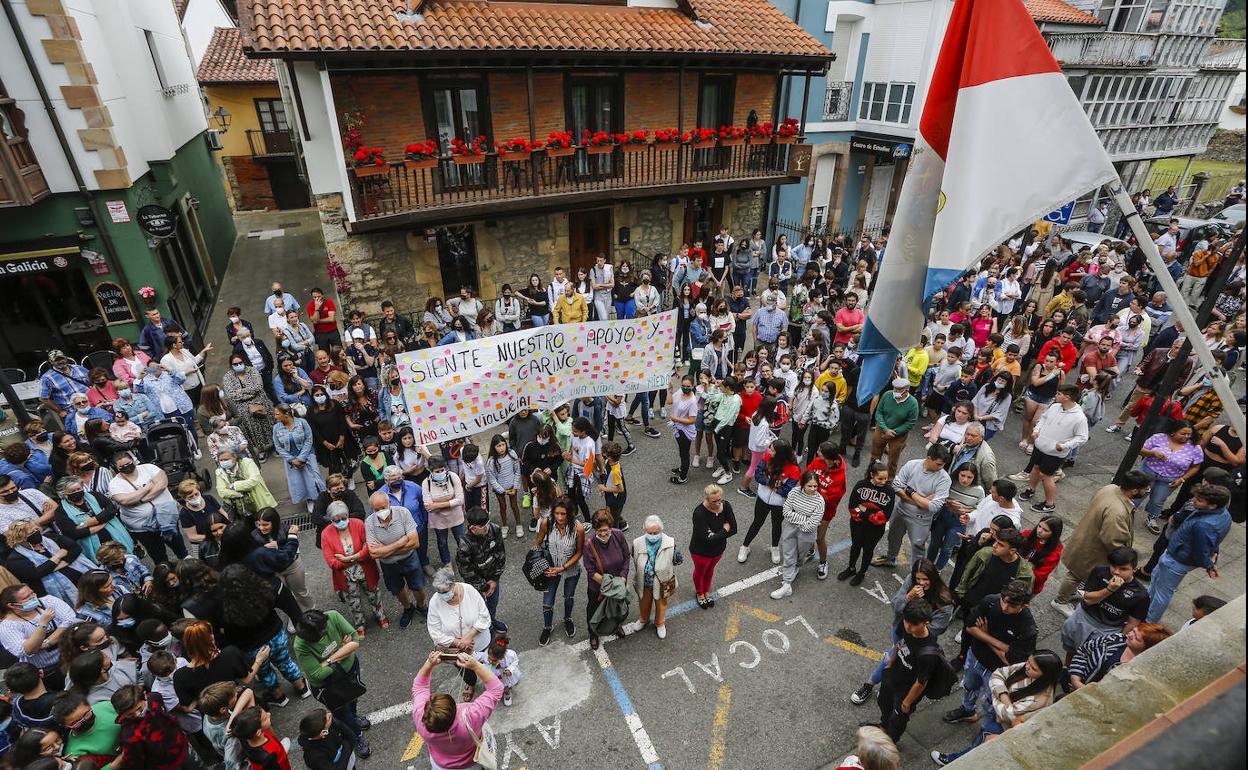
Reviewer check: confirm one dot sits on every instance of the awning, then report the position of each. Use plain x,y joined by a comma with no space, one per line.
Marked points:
39,256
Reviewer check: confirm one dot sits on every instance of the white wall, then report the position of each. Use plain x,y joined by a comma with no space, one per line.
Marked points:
200,19
147,125
322,152
1234,120
903,46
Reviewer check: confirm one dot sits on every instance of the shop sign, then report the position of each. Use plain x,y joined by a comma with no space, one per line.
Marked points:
799,159
156,221
38,256
882,148
117,212
113,303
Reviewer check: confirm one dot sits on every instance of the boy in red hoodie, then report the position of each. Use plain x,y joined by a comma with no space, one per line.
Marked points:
829,469
150,738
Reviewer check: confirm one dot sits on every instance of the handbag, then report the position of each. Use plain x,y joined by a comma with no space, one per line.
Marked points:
487,748
340,689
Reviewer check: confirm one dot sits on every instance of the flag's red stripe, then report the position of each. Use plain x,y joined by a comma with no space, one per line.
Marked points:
986,40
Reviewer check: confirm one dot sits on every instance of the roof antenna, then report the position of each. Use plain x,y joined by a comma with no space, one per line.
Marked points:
409,15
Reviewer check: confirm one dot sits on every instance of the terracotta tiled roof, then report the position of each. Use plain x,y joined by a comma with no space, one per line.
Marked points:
730,27
224,61
1059,12
179,6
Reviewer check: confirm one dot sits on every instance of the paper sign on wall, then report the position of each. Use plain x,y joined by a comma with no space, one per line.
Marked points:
465,388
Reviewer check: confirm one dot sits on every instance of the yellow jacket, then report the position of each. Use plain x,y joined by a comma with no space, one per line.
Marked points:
571,311
916,365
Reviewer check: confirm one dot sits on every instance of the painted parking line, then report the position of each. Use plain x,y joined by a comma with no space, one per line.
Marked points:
857,649
640,737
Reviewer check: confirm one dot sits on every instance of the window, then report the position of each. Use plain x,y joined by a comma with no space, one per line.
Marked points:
457,112
154,50
594,104
272,115
715,108
1123,15
886,102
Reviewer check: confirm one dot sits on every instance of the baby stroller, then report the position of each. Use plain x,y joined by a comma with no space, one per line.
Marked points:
171,449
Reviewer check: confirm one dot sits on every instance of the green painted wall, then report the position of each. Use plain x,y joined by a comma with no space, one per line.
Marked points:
190,172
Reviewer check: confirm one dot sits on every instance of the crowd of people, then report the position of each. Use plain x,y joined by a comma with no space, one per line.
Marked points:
150,612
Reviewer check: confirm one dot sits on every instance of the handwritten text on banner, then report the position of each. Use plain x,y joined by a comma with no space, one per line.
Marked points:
462,389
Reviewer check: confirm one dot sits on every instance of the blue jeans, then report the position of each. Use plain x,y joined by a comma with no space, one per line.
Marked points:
1166,578
741,278
569,598
974,681
540,320
990,727
944,537
878,673
625,309
422,550
444,550
1158,493
491,604
641,399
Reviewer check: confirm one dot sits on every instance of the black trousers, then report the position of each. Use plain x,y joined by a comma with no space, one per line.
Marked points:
854,425
891,719
862,541
761,512
683,445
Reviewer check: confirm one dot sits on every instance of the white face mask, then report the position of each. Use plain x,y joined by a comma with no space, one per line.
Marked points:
900,395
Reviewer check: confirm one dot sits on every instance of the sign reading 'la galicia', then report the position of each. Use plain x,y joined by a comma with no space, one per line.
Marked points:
458,390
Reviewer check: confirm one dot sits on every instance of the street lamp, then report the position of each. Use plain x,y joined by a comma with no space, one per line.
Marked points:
222,117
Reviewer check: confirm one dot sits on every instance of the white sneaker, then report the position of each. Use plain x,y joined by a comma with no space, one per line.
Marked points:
507,699
502,532
633,627
661,631
784,590
958,637
1065,609
285,743
663,412
775,555
519,532
743,553
696,461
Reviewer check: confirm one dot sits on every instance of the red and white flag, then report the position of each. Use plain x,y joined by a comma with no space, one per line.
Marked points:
1002,141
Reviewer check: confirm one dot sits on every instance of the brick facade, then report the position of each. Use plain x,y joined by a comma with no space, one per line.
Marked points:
249,183
394,115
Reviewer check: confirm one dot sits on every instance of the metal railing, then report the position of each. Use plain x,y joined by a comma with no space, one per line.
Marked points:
1224,54
836,100
444,185
1104,49
270,143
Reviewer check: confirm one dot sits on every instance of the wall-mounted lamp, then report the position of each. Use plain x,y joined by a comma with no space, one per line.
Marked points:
222,117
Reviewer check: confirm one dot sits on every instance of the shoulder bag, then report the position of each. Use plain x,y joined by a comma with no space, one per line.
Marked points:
487,750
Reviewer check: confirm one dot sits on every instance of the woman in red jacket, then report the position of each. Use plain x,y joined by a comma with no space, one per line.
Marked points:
829,469
1042,547
355,574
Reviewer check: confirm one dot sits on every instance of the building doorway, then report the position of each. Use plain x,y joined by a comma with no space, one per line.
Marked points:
878,196
457,259
289,191
190,296
702,218
49,308
589,234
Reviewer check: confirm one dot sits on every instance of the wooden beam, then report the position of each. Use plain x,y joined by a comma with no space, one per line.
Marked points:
528,83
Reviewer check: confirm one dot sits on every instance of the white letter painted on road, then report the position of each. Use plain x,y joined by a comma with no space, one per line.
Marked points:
713,670
733,648
512,748
782,647
805,625
550,732
680,671
877,592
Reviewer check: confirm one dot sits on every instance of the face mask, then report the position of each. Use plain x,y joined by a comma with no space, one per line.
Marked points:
686,388
900,395
30,605
439,476
195,502
165,642
446,596
1207,382
653,538
234,319
341,524
277,292
396,484
125,623
320,399
125,469
86,725
82,409
123,393
76,497
227,465
785,368
239,368
371,452
543,441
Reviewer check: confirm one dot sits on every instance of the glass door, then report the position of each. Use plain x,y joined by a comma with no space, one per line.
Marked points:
594,104
714,110
458,114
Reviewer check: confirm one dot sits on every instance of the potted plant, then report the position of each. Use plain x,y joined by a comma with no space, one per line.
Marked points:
666,139
786,132
149,295
701,137
761,133
731,136
559,144
634,141
421,155
598,142
469,153
369,161
517,149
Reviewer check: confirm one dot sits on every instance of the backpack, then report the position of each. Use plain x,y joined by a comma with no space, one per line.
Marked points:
943,676
536,562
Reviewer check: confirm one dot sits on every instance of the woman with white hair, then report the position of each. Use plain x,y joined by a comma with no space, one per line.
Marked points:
655,557
876,751
459,620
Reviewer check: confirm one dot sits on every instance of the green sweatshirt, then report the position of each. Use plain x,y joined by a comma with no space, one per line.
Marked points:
311,655
726,413
899,418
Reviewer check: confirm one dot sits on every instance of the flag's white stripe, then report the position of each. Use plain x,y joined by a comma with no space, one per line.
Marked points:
1018,147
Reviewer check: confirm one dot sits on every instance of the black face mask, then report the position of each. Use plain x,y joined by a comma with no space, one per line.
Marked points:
76,498
125,469
9,497
36,538
86,726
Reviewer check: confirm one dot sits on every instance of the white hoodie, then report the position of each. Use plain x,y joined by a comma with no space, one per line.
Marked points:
1068,427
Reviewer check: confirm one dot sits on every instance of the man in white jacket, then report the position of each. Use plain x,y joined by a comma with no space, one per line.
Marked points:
1061,428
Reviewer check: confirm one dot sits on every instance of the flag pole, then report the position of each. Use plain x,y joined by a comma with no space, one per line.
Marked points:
1221,385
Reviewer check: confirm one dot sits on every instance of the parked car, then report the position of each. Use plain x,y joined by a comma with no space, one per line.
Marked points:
1077,240
1232,215
1191,231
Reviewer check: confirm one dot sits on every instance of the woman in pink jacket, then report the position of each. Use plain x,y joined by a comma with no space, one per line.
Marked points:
452,730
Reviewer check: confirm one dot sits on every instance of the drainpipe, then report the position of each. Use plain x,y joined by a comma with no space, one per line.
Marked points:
773,198
61,139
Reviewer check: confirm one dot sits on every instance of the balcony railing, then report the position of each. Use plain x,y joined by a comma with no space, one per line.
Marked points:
1224,54
836,100
1104,49
449,191
266,144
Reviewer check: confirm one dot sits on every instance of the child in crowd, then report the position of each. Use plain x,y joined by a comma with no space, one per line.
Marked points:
502,473
220,704
506,664
617,411
161,666
122,430
254,730
709,396
326,742
473,476
130,576
389,438
149,736
544,493
613,489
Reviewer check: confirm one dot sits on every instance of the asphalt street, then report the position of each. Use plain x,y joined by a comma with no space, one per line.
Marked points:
751,683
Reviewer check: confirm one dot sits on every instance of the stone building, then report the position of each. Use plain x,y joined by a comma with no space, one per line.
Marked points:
374,76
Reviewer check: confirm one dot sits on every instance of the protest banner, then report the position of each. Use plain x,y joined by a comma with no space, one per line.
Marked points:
458,390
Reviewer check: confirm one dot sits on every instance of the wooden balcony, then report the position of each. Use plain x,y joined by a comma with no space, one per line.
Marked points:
447,192
270,144
21,180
